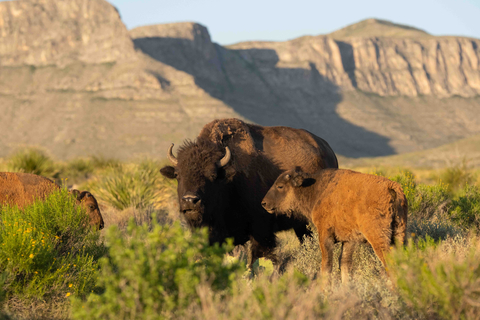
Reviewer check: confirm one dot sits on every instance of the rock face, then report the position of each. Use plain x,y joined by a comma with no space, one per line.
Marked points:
75,81
439,66
44,32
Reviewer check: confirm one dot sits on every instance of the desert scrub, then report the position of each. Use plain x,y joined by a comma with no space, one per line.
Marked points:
31,160
465,208
437,229
48,249
286,296
457,176
131,185
408,182
439,280
155,274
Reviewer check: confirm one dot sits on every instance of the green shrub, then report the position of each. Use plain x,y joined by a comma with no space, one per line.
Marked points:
424,201
48,249
155,274
456,176
429,201
466,208
31,160
408,183
437,282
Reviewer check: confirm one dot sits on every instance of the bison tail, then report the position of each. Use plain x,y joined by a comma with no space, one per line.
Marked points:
399,221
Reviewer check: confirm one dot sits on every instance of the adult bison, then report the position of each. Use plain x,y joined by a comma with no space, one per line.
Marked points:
224,174
22,189
345,206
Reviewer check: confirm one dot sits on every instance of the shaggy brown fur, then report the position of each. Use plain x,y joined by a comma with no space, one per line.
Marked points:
345,206
22,189
227,199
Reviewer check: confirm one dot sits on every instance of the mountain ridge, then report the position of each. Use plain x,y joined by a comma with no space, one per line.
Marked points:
158,84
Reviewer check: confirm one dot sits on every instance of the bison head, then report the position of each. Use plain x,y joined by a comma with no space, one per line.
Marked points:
202,170
283,195
88,201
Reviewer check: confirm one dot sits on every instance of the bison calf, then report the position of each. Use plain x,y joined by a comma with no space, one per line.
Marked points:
345,206
22,189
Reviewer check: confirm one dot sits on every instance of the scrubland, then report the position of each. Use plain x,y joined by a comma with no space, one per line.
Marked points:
147,265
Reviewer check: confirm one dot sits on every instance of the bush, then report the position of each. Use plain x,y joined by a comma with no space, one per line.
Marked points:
32,160
155,274
424,201
466,208
457,176
437,281
438,229
288,296
408,183
48,249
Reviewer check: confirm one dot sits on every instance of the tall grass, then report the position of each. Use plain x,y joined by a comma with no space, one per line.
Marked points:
131,185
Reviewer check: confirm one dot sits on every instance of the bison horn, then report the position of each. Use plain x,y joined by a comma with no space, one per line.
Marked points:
223,162
171,157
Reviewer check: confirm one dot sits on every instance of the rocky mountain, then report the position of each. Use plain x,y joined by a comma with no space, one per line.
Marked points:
75,81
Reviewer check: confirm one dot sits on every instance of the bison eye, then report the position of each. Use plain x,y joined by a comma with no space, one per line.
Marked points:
91,207
279,186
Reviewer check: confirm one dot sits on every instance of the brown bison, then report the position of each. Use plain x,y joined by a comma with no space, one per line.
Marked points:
345,206
22,189
223,175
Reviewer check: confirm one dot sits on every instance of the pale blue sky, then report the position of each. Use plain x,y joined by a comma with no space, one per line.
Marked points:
234,21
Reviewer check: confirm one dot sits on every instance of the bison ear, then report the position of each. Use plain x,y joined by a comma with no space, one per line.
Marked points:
168,172
307,182
302,180
75,193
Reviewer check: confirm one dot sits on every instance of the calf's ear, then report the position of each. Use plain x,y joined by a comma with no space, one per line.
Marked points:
168,172
302,180
75,192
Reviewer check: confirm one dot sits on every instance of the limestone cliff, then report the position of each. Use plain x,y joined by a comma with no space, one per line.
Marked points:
75,81
43,32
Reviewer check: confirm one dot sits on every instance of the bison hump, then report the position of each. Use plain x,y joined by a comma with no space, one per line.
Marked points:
233,133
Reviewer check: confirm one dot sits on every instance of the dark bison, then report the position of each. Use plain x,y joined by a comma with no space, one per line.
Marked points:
224,174
345,206
22,189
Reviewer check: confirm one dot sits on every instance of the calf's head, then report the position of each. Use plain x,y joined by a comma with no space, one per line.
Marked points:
202,169
282,198
88,201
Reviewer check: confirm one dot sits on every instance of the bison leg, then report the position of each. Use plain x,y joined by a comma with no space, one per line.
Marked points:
265,249
302,231
379,244
326,247
345,260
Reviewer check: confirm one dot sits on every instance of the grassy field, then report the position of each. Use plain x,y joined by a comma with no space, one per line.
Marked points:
147,265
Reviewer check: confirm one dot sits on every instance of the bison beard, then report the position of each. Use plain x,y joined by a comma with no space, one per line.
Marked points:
224,174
